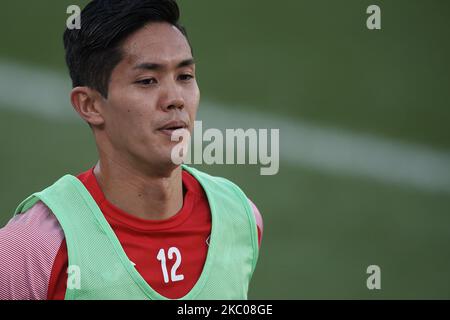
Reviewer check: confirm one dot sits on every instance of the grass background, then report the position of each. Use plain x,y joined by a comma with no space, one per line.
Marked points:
307,60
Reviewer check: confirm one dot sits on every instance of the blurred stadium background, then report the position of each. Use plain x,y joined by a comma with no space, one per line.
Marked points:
364,124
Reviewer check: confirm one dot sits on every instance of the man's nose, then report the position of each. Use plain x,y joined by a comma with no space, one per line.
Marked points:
173,98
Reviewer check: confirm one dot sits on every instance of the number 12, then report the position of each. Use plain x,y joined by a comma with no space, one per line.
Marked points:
162,257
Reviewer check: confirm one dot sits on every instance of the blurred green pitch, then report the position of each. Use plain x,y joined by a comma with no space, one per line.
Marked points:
307,60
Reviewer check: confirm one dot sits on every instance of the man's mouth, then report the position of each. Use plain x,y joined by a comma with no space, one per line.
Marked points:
170,127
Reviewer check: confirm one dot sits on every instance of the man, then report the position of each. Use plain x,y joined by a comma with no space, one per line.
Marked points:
136,225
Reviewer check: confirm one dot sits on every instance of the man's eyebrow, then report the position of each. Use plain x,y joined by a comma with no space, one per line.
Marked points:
157,66
186,63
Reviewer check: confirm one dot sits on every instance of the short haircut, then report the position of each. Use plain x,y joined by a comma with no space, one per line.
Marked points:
93,51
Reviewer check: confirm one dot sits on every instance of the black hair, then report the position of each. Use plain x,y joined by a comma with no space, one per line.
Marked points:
94,50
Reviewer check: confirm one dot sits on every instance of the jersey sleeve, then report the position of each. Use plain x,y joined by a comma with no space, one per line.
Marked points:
28,247
259,221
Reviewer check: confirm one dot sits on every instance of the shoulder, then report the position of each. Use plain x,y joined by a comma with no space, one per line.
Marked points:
256,213
224,181
216,182
28,247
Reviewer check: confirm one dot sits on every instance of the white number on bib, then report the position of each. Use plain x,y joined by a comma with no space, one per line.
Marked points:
173,272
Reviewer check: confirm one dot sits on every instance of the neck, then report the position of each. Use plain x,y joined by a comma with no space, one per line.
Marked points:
141,194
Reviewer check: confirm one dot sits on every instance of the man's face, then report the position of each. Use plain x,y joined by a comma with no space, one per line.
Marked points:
152,92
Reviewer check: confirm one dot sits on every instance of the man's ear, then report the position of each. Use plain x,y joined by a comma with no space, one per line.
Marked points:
87,103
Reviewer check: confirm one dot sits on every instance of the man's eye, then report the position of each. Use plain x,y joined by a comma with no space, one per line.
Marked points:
185,77
147,81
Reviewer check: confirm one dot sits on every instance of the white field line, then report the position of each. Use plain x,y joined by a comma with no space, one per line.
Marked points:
46,93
